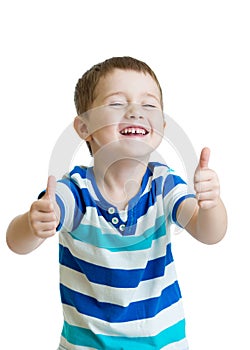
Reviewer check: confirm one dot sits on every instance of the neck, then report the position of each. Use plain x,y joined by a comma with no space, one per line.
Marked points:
119,181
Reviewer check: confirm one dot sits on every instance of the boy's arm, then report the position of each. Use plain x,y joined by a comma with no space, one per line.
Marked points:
204,217
26,232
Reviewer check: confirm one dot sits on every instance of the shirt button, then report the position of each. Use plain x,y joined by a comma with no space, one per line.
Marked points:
111,210
122,227
115,220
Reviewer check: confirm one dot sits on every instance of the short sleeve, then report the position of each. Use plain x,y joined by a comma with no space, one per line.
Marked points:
70,201
175,190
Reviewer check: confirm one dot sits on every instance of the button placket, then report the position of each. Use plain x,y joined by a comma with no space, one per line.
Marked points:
115,220
111,210
122,227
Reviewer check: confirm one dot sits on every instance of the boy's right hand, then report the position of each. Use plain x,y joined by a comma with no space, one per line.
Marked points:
44,213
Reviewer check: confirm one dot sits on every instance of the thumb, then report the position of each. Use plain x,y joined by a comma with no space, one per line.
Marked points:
204,158
51,188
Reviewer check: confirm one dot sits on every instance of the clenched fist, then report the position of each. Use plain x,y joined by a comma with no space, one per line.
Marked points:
44,213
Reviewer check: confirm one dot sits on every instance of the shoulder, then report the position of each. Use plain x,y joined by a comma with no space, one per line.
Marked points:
161,170
80,170
166,178
77,174
76,179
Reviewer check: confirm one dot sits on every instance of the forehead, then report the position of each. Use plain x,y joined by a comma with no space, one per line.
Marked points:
127,81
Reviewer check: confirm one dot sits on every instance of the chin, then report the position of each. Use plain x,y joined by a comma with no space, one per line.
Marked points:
136,153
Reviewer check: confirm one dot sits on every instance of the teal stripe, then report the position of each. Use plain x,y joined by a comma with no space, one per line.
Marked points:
94,236
84,337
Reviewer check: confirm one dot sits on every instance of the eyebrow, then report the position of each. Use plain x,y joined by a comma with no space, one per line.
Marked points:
119,93
148,94
114,94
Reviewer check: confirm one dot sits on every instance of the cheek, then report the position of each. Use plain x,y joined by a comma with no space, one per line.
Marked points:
156,120
158,127
105,133
158,133
101,120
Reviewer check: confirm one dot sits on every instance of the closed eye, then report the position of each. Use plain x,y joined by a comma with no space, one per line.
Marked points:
147,105
118,104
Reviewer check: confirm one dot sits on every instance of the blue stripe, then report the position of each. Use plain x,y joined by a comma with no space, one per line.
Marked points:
62,212
85,337
170,182
148,199
118,278
80,207
138,310
176,206
79,170
96,237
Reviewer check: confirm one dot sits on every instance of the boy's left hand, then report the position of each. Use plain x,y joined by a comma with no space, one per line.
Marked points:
206,183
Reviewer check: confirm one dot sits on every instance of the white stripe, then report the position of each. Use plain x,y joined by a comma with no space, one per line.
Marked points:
85,183
120,296
92,218
146,221
173,196
180,345
148,186
139,328
65,345
125,260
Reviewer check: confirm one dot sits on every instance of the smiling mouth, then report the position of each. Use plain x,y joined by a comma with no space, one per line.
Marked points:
131,131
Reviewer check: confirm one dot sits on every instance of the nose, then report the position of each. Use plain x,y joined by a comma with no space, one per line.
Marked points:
134,111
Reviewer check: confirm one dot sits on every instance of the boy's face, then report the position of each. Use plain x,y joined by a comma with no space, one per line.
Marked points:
126,115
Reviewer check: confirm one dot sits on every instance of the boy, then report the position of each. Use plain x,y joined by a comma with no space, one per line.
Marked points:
117,277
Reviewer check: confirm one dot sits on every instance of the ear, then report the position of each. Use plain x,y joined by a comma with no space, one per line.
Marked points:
81,128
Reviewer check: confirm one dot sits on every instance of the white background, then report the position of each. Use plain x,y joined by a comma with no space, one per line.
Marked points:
200,53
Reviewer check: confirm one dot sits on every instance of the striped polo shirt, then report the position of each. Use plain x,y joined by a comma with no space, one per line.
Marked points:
118,282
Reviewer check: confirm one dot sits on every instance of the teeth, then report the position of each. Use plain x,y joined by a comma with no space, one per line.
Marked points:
133,131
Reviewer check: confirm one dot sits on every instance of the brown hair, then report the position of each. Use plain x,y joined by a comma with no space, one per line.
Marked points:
85,87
